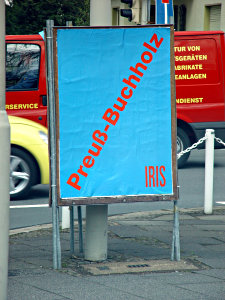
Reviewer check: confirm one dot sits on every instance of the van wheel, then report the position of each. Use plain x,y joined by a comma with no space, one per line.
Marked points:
183,142
22,173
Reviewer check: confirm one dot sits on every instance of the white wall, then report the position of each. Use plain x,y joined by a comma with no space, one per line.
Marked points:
196,13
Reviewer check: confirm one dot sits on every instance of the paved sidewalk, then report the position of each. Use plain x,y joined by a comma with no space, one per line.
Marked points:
138,265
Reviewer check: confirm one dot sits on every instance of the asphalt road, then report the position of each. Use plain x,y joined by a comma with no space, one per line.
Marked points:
191,181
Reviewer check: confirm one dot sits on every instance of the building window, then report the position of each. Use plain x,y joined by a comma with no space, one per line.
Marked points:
182,18
212,20
116,16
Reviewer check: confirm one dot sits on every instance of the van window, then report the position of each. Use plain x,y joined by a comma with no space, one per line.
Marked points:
22,66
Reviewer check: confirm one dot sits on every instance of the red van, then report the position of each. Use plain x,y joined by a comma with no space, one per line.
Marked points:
199,74
26,94
200,87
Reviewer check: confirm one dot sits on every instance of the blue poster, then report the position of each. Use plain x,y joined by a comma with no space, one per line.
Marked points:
114,100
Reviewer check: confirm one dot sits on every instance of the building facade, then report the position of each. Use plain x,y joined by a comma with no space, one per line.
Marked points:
189,15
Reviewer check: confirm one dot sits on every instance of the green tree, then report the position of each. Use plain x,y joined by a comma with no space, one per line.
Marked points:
29,16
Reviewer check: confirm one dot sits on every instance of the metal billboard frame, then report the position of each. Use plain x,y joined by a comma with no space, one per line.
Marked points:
119,198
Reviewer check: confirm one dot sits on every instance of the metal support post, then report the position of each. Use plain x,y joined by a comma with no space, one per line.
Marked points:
96,233
209,169
4,165
71,208
72,241
51,124
166,13
175,254
79,213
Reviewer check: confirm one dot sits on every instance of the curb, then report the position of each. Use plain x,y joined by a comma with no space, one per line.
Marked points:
200,210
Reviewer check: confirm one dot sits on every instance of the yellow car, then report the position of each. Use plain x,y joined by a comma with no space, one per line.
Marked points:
29,164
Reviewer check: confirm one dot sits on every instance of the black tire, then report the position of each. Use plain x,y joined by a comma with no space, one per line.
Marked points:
183,142
23,173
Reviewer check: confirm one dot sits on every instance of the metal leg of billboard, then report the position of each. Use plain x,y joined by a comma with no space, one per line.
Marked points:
71,230
175,254
80,227
79,214
51,124
71,210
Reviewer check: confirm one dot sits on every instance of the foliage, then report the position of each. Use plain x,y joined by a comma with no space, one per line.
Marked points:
29,16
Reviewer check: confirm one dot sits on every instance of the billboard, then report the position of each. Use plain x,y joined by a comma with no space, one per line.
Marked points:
116,120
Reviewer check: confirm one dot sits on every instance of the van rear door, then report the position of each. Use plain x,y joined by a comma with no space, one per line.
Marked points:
199,77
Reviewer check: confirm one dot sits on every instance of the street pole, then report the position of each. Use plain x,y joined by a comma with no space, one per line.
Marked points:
51,109
4,165
96,237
